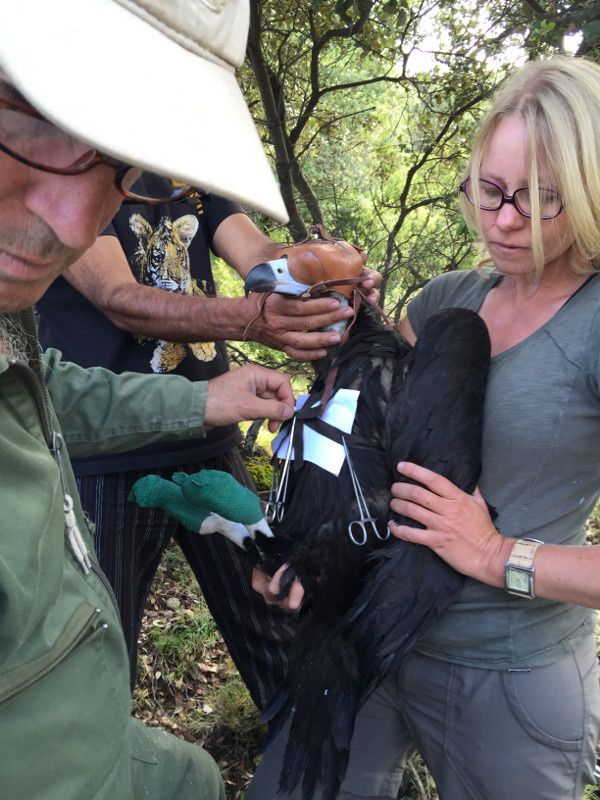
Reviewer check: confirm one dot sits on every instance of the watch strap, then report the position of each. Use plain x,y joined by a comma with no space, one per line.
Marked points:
519,565
522,553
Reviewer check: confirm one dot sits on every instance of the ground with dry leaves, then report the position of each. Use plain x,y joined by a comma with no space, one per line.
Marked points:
187,683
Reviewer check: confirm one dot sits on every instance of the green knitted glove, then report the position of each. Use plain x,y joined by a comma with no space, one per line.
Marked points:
210,501
217,491
153,491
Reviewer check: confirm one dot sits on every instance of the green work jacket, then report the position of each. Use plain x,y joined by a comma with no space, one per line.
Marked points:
65,731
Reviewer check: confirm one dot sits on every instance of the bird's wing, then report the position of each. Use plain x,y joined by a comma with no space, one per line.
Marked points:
424,406
436,421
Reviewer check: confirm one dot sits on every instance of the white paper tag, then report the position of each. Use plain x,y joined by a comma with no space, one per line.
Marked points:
318,449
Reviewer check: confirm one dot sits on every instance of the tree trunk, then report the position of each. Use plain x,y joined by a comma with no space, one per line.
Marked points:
250,440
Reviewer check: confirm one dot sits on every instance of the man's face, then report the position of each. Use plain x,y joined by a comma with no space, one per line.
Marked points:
46,222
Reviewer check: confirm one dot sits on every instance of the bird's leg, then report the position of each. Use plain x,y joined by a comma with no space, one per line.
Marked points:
234,531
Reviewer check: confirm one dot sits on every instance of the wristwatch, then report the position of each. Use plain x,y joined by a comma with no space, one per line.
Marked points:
519,569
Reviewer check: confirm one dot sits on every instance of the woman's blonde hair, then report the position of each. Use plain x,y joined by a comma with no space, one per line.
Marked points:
559,100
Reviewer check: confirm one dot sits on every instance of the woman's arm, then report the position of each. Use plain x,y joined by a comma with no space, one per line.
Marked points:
459,529
406,329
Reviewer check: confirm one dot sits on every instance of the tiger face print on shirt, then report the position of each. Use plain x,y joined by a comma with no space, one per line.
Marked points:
162,260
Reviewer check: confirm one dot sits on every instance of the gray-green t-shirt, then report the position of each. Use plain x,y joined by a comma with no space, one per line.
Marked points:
541,471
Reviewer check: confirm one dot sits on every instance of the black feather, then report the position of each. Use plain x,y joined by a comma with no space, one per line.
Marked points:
366,606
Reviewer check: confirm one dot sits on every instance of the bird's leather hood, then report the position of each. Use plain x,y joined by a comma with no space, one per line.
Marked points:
318,265
274,276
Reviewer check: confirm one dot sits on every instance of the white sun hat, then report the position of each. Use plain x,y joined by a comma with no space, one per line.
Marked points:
150,82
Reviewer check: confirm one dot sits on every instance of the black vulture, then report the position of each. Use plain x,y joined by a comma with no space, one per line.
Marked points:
368,597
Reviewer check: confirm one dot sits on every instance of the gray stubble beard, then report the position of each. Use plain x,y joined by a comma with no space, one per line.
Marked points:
12,339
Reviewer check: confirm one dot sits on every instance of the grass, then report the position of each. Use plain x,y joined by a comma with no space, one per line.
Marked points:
187,683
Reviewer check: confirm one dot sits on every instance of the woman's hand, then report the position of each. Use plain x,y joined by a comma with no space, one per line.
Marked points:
459,529
458,526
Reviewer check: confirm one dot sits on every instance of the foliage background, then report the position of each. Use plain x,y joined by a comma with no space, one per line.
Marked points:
366,109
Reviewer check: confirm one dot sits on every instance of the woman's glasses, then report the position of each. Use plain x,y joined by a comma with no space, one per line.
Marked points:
492,197
31,139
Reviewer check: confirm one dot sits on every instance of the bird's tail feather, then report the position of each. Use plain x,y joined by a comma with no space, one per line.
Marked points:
322,690
406,591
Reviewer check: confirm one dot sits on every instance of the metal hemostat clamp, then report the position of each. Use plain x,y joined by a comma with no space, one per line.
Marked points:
275,508
357,529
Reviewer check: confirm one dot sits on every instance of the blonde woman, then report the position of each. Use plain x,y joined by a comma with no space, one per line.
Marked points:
515,659
502,697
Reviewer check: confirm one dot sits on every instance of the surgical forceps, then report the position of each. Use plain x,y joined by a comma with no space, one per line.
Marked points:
275,508
357,529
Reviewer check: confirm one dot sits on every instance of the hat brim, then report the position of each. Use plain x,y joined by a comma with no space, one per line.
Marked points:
147,101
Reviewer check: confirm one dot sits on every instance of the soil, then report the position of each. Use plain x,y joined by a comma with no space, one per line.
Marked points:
184,706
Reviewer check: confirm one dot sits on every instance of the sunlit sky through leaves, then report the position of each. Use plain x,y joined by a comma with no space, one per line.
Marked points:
435,40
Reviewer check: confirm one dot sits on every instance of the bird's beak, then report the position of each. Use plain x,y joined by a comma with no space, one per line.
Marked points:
273,276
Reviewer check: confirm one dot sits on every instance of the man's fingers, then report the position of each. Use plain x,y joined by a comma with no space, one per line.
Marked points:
293,307
269,587
296,596
301,315
276,418
275,398
372,277
268,383
249,392
309,346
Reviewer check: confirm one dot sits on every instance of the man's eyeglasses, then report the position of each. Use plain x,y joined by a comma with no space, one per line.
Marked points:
31,139
492,197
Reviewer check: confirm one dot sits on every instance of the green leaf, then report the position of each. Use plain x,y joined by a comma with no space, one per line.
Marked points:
342,7
591,29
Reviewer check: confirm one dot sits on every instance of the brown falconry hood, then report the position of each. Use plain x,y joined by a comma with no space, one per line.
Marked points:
319,264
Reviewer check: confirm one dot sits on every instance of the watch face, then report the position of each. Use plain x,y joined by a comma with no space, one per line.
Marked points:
518,580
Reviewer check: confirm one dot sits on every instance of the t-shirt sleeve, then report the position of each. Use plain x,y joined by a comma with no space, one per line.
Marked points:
109,230
427,302
217,209
591,366
462,289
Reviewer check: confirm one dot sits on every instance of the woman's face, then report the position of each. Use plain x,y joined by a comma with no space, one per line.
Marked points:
506,232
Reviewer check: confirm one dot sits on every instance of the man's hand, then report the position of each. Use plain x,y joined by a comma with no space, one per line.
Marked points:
269,588
371,280
249,392
295,326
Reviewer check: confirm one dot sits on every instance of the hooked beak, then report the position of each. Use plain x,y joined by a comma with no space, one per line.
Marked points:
273,276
